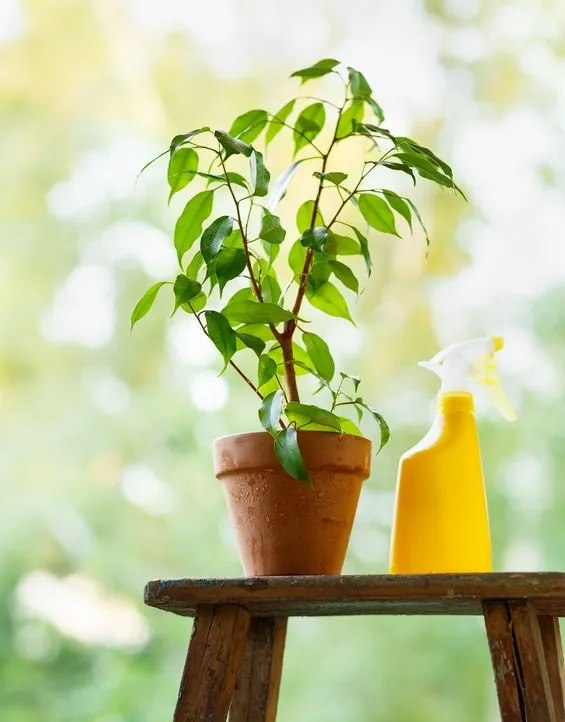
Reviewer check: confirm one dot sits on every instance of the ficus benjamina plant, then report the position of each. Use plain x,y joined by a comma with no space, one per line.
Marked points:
231,277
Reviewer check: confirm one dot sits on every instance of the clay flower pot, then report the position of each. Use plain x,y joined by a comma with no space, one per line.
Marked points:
283,526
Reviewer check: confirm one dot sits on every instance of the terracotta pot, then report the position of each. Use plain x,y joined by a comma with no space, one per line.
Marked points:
282,525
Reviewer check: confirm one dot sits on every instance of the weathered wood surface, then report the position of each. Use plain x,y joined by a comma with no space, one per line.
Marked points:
213,658
535,687
527,659
374,594
551,638
257,688
503,655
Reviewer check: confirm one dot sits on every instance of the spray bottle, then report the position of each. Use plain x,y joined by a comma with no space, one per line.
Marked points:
441,518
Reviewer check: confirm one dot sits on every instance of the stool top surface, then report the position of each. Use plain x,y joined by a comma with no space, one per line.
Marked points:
291,596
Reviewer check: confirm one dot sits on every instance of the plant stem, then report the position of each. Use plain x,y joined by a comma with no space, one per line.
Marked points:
231,363
290,326
320,100
243,231
288,358
348,197
298,132
256,287
309,253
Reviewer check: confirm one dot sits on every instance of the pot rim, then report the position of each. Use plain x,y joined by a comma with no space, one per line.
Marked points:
321,450
300,431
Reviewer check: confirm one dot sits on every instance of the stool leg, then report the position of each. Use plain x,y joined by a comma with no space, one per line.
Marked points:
214,653
257,687
551,638
535,677
503,655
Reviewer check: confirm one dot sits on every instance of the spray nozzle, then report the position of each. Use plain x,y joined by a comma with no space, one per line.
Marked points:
474,359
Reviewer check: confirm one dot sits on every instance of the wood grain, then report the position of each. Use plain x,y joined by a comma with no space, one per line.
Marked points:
551,638
536,689
503,655
214,653
257,688
372,594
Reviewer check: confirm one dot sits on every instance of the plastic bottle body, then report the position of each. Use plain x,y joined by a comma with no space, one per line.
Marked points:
441,518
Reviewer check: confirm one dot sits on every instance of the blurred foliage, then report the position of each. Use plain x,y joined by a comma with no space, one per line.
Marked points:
105,462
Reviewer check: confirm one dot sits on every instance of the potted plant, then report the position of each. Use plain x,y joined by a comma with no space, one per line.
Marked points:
292,489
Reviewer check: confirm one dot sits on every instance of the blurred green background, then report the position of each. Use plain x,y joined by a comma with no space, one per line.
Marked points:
105,437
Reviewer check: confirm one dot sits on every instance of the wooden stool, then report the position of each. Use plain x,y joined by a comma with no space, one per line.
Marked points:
234,659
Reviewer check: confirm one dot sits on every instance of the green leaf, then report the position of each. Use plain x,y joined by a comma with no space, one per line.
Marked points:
319,353
320,272
401,167
248,126
229,264
272,250
276,124
296,258
304,216
364,249
214,236
182,168
260,176
280,186
189,225
233,146
256,329
360,88
352,115
144,304
384,427
234,178
234,240
420,221
420,149
194,266
354,379
376,108
266,370
253,312
364,244
221,334
270,411
185,290
399,205
271,229
348,427
270,289
289,455
377,213
256,344
308,125
342,245
179,140
301,359
303,414
316,375
314,238
328,299
244,294
345,275
427,169
196,305
335,177
322,67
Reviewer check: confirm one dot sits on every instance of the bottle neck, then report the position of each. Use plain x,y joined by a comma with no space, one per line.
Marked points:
455,402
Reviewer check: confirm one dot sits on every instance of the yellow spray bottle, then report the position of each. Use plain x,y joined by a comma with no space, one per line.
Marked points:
441,519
